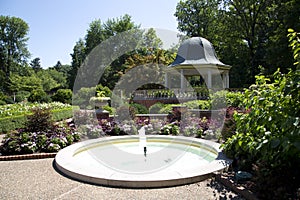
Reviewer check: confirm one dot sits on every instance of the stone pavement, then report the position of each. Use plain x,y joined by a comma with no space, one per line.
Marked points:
37,179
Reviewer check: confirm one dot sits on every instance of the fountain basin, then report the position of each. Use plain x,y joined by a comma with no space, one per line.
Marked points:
122,162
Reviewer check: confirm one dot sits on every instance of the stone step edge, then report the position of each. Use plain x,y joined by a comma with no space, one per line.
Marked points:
28,156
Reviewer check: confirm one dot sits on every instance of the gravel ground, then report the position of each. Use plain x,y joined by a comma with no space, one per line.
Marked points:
37,179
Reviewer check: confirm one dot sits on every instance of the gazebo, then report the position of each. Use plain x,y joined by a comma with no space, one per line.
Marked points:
196,57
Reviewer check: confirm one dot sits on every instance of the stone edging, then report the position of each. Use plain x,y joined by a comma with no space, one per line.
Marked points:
236,188
28,156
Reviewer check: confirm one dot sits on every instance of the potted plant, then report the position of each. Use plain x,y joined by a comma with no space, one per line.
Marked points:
98,102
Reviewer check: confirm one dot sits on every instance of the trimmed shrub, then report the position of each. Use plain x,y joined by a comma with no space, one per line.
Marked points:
38,95
166,109
14,122
155,108
63,95
82,96
140,109
198,104
22,95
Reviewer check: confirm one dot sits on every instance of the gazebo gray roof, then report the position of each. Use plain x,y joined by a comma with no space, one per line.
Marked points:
196,56
196,51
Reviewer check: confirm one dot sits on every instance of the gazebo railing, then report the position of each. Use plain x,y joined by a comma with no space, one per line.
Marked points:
169,94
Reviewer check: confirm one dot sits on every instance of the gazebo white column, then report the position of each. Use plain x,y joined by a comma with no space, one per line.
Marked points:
227,79
209,85
166,80
182,81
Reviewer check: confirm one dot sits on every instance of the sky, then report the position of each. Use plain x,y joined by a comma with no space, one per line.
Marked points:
56,25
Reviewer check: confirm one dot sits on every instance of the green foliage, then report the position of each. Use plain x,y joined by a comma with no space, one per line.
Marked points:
140,109
245,33
104,89
12,123
24,108
36,64
295,45
22,95
170,129
234,99
268,134
96,34
38,133
166,109
63,95
223,98
272,124
151,40
188,14
193,130
13,116
14,52
126,112
38,95
197,104
155,108
82,97
24,83
23,141
51,79
40,120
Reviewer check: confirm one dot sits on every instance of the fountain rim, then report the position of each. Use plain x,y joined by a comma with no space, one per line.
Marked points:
63,164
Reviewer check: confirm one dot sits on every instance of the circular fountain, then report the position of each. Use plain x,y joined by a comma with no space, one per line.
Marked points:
140,161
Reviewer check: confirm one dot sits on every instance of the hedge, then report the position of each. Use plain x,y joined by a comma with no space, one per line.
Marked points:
14,122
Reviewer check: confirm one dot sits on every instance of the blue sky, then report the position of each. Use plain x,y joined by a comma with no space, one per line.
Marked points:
56,25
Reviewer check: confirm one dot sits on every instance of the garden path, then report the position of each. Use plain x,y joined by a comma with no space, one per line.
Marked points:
37,179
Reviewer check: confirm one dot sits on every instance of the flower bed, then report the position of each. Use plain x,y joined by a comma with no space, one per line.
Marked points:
13,116
40,134
18,109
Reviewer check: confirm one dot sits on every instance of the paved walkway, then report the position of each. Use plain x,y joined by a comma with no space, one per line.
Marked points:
37,179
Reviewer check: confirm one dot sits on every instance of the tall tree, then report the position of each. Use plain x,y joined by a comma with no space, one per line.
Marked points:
13,44
246,34
249,20
36,64
78,57
151,40
97,33
57,66
197,17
